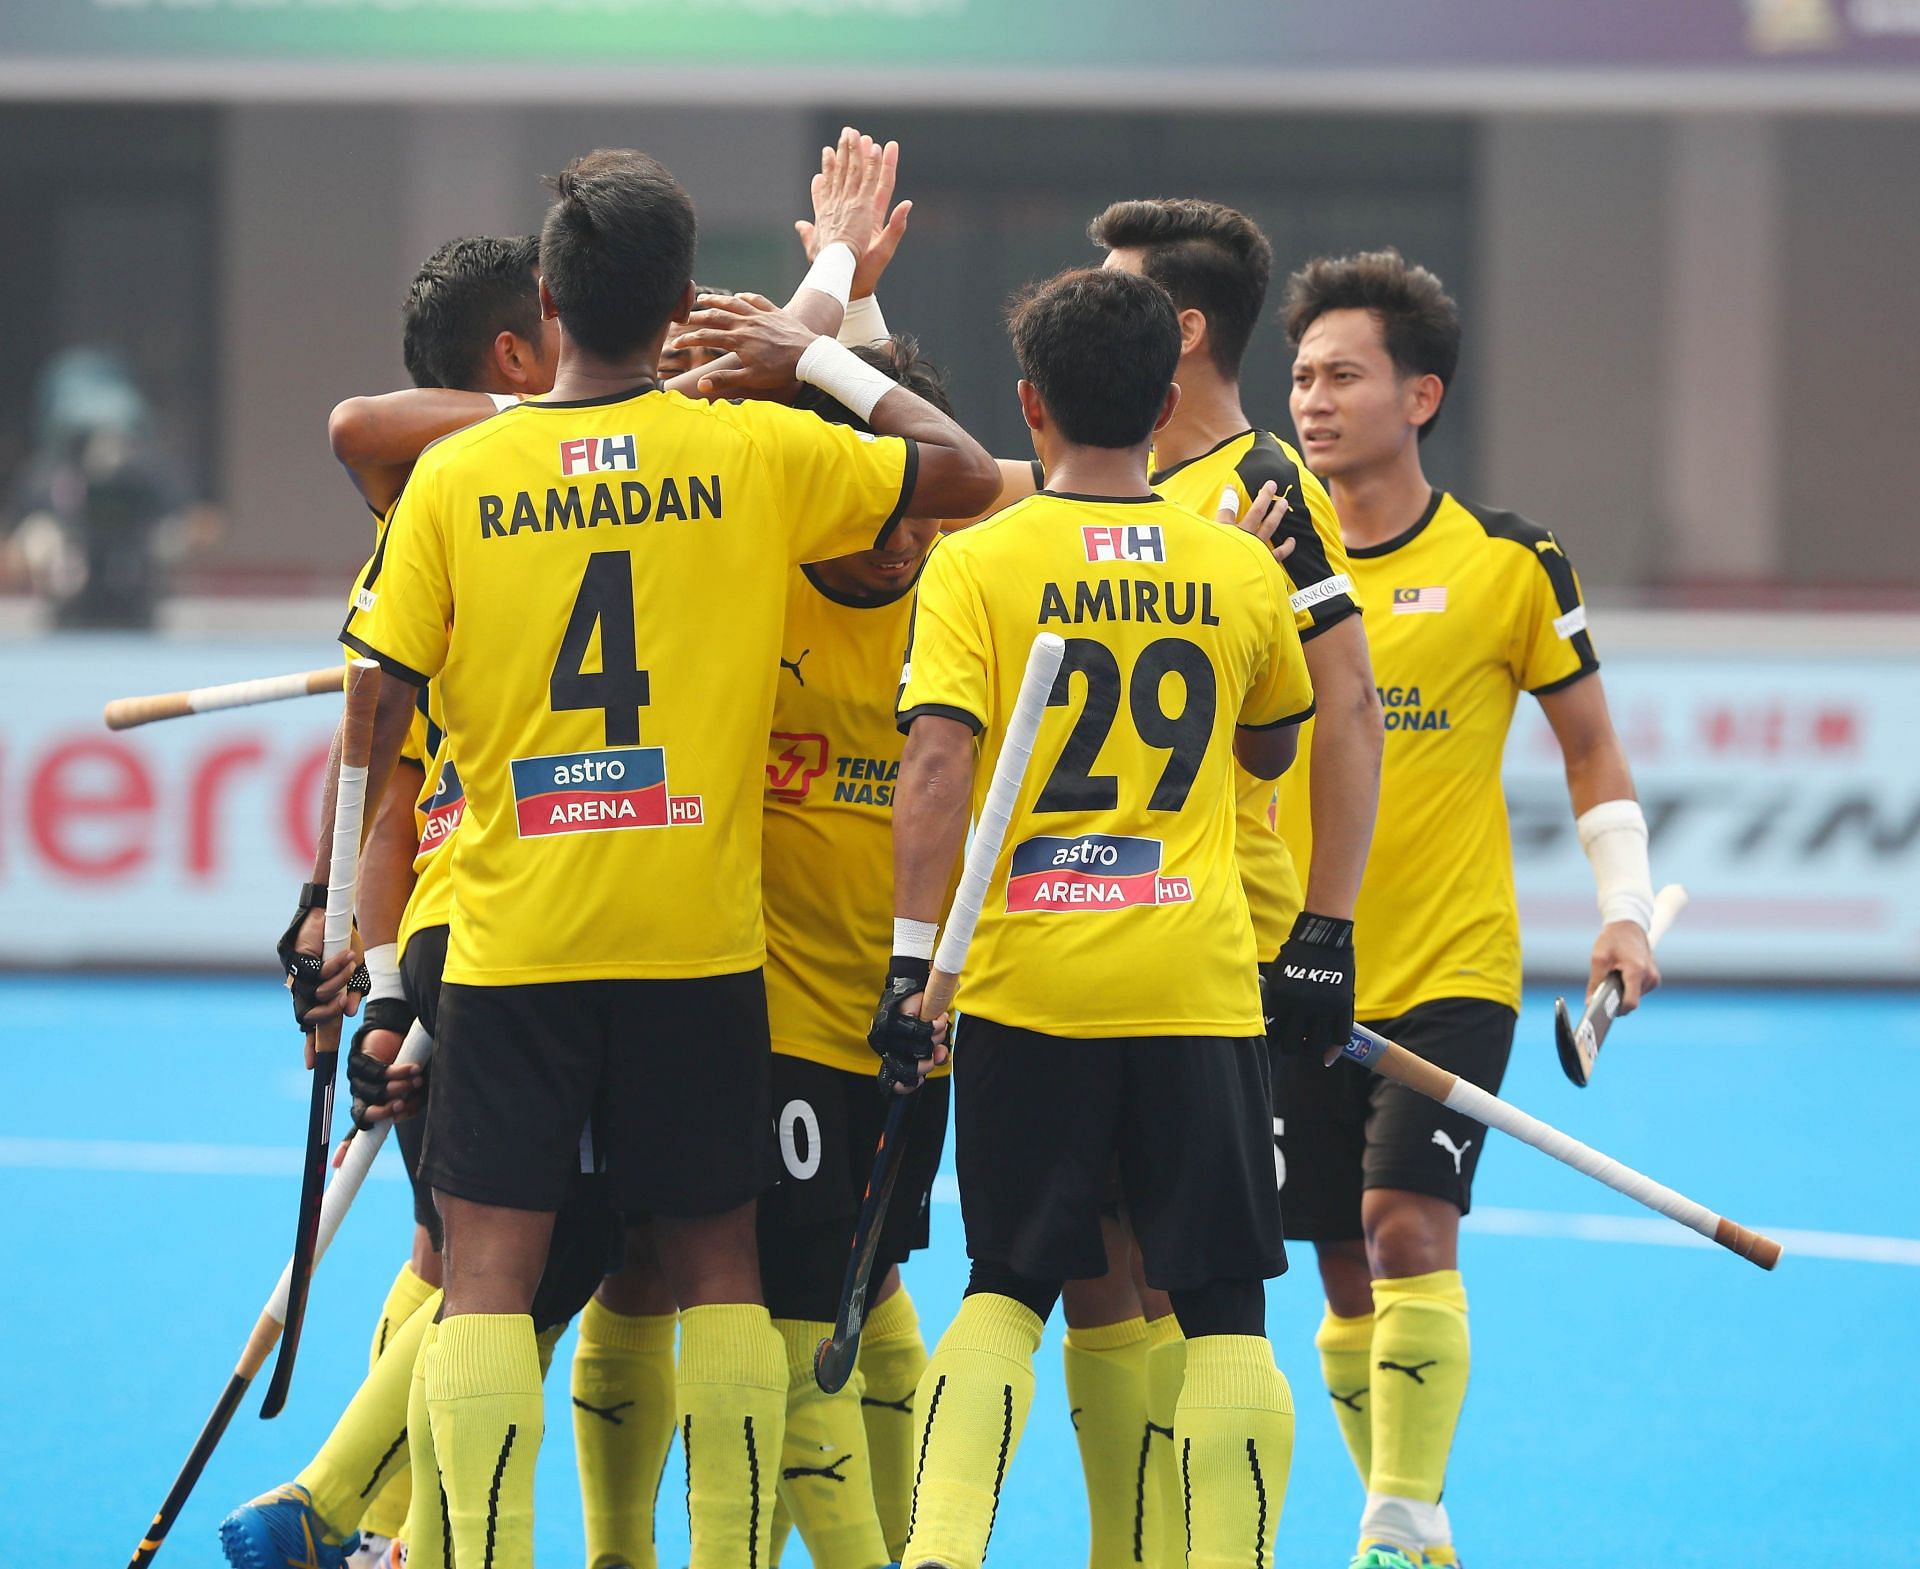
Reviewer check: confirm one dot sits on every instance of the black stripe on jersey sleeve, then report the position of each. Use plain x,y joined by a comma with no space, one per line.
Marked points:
904,720
908,475
1545,549
1336,610
1292,719
391,666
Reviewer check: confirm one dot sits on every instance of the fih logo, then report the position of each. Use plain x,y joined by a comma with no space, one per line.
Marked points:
598,455
1119,542
793,763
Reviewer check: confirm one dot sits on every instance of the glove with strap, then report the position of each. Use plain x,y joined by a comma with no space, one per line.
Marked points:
366,1073
1309,990
902,1041
303,969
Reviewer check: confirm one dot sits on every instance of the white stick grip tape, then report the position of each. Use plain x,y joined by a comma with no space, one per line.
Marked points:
1667,905
344,864
243,694
990,832
339,1197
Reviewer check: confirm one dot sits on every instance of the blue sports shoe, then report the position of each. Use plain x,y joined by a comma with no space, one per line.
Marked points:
1377,1555
279,1530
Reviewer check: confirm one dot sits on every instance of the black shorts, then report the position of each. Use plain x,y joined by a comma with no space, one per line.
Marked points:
421,966
1041,1122
827,1122
1341,1130
673,1075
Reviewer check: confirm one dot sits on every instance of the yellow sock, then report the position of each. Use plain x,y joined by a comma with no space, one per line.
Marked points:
484,1401
732,1389
1346,1363
1165,1537
367,1448
406,1293
824,1478
1234,1430
892,1358
782,1529
1106,1371
427,1532
971,1405
623,1421
1420,1355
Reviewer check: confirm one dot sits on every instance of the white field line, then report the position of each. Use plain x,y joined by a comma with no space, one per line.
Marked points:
268,1160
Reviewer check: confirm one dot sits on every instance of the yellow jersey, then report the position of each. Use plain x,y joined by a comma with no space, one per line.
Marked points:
1320,589
832,760
1116,907
414,749
1465,611
596,588
436,814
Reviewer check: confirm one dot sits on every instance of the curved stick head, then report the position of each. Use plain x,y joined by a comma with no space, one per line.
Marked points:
1573,1063
833,1365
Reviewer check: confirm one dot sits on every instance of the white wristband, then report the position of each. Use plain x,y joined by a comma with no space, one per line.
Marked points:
832,271
383,968
840,373
914,939
1614,835
863,322
504,400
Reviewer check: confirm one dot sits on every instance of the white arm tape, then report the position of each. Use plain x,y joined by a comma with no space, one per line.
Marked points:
1614,835
383,968
863,322
832,271
840,373
914,939
504,400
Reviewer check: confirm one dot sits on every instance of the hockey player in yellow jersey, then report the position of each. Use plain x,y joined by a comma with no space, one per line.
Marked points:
833,758
1123,1353
1466,608
1112,1016
561,570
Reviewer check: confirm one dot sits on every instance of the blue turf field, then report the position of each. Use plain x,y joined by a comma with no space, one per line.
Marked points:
1633,1403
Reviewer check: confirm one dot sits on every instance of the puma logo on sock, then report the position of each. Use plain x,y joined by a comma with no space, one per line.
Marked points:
793,1473
1352,1401
605,1413
1411,1372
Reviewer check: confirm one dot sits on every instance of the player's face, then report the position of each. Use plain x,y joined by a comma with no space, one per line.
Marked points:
674,359
884,571
1350,403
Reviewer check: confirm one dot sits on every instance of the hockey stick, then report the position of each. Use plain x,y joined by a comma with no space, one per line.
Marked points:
834,1358
266,1330
356,744
1579,1044
1456,1094
123,713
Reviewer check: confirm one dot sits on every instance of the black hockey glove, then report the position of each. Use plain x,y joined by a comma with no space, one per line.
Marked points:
303,969
1309,990
368,1074
902,1041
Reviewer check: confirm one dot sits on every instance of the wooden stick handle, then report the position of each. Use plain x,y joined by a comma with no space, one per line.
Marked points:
124,713
1750,1245
260,1344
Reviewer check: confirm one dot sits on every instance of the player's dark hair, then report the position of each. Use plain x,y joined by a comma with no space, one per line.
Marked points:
1210,258
463,297
1100,347
616,249
898,358
1419,321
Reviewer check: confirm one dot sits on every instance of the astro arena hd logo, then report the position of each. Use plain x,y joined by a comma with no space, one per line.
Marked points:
596,792
1091,872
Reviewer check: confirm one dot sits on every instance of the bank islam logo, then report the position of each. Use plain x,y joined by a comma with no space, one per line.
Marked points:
793,763
1119,542
1091,872
598,455
596,792
444,811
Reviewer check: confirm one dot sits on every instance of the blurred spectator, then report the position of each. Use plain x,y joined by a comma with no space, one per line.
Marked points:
98,513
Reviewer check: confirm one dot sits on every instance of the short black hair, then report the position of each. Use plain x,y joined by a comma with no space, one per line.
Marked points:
899,359
1210,258
1419,321
463,297
1100,347
616,250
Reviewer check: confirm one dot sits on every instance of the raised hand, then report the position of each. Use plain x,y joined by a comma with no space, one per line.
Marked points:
848,204
1262,519
889,223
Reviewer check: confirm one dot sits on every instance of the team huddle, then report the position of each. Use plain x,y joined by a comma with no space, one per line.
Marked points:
700,624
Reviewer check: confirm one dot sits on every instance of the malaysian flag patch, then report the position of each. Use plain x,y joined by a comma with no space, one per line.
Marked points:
1419,601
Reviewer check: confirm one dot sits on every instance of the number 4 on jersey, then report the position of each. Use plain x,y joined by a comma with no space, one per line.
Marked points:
619,688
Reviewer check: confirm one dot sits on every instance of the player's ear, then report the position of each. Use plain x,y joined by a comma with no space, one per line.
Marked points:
1031,407
508,359
1193,332
1167,406
1423,398
685,308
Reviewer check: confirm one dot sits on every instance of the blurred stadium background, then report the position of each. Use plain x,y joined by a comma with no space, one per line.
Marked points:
1685,237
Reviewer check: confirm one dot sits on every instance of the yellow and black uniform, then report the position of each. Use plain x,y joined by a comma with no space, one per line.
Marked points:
1116,927
1113,971
1465,611
1320,590
833,757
